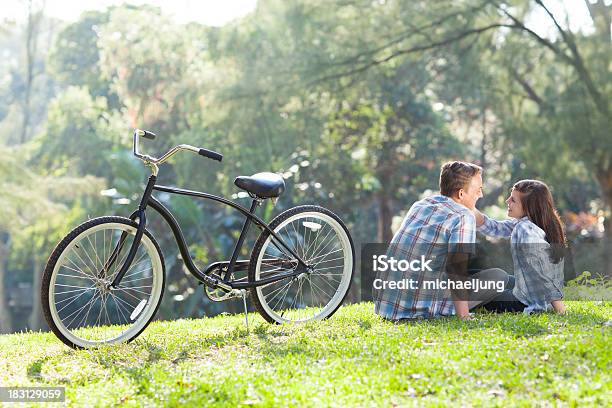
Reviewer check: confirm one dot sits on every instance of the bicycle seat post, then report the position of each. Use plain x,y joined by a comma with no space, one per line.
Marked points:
241,238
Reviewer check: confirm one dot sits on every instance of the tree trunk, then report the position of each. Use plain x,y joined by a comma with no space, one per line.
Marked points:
36,321
30,49
6,324
483,143
385,218
605,183
36,318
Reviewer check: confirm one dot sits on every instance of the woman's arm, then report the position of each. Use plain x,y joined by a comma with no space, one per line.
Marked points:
559,306
480,219
493,228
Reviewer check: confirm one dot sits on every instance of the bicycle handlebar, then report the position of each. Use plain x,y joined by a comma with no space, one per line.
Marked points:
211,154
154,162
148,135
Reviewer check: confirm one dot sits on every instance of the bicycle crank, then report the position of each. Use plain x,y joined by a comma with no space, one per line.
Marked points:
219,295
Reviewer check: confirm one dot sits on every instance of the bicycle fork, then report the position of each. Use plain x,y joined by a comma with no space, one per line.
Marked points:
142,221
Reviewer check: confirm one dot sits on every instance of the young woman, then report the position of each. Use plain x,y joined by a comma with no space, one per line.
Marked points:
538,245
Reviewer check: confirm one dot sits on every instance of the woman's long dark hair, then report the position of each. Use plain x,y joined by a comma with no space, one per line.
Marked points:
538,204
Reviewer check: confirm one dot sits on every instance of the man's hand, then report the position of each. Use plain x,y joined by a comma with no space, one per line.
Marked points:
462,310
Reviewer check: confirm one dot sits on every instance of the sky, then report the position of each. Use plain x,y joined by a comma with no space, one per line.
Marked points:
220,12
208,12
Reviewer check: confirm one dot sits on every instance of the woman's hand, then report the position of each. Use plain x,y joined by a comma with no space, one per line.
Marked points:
479,217
559,306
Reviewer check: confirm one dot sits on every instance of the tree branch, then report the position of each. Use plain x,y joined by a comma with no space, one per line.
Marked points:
533,95
578,63
406,34
575,60
519,24
600,9
419,48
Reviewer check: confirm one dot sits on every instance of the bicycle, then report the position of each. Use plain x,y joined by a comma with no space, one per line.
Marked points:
104,281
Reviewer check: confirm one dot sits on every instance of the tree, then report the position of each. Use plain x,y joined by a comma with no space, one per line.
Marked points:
396,139
35,211
75,57
578,110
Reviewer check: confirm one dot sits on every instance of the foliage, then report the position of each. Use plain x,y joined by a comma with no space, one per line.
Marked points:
78,128
75,57
587,286
355,103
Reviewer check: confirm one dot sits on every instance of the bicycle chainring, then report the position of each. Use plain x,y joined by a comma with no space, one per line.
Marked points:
217,294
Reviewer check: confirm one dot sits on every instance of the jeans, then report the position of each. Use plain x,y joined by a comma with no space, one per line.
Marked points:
484,297
505,301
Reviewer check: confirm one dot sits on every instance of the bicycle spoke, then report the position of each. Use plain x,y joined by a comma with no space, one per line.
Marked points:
324,255
76,266
95,251
89,257
320,238
312,291
136,279
297,240
315,254
326,281
125,290
119,308
329,260
319,288
128,293
75,313
71,291
282,299
277,289
67,299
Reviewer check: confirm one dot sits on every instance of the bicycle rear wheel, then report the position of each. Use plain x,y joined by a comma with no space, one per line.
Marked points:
77,303
322,240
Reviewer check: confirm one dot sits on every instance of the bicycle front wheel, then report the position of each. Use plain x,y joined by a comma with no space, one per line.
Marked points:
77,303
322,240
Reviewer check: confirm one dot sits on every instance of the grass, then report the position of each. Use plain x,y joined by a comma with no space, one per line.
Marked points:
353,359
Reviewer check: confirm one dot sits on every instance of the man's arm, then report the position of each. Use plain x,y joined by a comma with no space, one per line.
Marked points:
462,243
456,269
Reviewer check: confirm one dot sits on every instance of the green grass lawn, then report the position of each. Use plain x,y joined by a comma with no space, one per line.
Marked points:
354,359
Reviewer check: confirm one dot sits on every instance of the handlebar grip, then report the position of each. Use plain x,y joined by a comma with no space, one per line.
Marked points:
210,154
149,135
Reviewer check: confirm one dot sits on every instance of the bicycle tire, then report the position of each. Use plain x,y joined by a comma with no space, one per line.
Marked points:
303,213
48,275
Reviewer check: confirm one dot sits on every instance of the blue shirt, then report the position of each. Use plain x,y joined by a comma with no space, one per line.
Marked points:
538,281
433,227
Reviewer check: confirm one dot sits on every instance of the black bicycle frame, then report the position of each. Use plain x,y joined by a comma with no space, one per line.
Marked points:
206,277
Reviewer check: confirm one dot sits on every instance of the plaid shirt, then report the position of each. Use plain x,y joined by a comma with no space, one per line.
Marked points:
538,281
433,227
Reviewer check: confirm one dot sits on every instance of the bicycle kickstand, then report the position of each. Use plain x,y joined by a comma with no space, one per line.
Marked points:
243,293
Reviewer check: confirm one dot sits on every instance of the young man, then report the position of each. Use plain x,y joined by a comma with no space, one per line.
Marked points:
441,229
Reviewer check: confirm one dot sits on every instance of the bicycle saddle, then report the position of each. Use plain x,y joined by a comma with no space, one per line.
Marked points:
263,185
